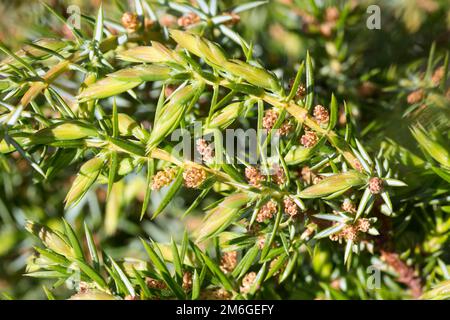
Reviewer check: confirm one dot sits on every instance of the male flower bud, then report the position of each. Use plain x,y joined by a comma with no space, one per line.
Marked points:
228,261
155,284
215,294
187,281
285,128
348,206
193,177
130,21
163,178
261,241
205,150
363,225
309,139
279,177
267,211
301,90
375,185
307,175
188,19
254,176
351,232
438,75
415,96
290,207
269,119
168,20
321,114
331,14
247,282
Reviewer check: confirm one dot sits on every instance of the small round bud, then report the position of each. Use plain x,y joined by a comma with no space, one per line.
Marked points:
348,206
290,207
321,114
261,241
350,233
269,119
163,178
363,225
267,211
187,281
358,166
278,177
375,185
415,96
285,129
301,90
194,177
331,14
326,29
228,261
247,282
307,175
309,139
254,176
188,20
205,150
155,284
438,75
130,21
